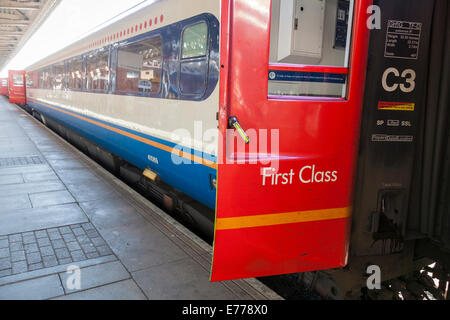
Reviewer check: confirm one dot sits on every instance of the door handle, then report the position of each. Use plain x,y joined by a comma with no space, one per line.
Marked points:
233,123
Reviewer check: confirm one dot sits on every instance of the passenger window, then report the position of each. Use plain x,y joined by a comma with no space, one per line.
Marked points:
310,47
75,73
97,71
4,83
139,68
18,80
194,61
195,41
31,76
41,79
46,79
59,76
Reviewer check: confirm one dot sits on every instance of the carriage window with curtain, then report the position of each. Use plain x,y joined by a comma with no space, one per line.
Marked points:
139,68
310,48
97,71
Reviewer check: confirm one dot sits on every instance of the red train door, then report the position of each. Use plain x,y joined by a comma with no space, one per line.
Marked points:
3,86
17,87
285,185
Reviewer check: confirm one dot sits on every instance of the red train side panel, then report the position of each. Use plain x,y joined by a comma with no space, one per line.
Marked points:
17,87
296,224
3,86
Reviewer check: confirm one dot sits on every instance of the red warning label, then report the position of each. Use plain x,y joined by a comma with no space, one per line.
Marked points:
396,106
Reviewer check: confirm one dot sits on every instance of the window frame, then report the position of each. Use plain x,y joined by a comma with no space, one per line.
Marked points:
83,73
183,30
39,72
48,69
207,57
64,80
15,78
138,39
85,56
325,69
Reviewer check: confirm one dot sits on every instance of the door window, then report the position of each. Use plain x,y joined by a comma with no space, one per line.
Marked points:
310,47
18,80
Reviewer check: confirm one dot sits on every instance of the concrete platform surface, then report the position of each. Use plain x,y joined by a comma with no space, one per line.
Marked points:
71,230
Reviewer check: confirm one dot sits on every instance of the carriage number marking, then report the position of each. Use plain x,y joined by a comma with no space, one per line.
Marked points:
153,159
409,75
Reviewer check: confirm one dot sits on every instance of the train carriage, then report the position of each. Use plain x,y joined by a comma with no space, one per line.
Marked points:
209,100
249,113
3,86
17,87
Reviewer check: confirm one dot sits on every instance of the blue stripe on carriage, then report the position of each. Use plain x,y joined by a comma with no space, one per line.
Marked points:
193,178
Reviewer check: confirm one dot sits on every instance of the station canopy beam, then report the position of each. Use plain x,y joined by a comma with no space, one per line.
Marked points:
19,20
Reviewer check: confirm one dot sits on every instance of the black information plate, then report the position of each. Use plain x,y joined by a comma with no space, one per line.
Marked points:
403,39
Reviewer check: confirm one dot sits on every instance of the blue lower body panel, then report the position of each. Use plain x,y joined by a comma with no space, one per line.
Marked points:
193,179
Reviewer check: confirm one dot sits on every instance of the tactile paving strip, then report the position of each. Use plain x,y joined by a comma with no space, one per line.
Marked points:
31,251
21,161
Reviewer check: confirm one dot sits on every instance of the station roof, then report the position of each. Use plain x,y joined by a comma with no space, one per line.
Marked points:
19,20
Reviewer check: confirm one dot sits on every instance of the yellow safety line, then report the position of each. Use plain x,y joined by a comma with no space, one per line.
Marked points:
282,218
179,153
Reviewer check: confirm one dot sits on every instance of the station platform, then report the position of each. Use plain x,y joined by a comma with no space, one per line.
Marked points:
60,209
